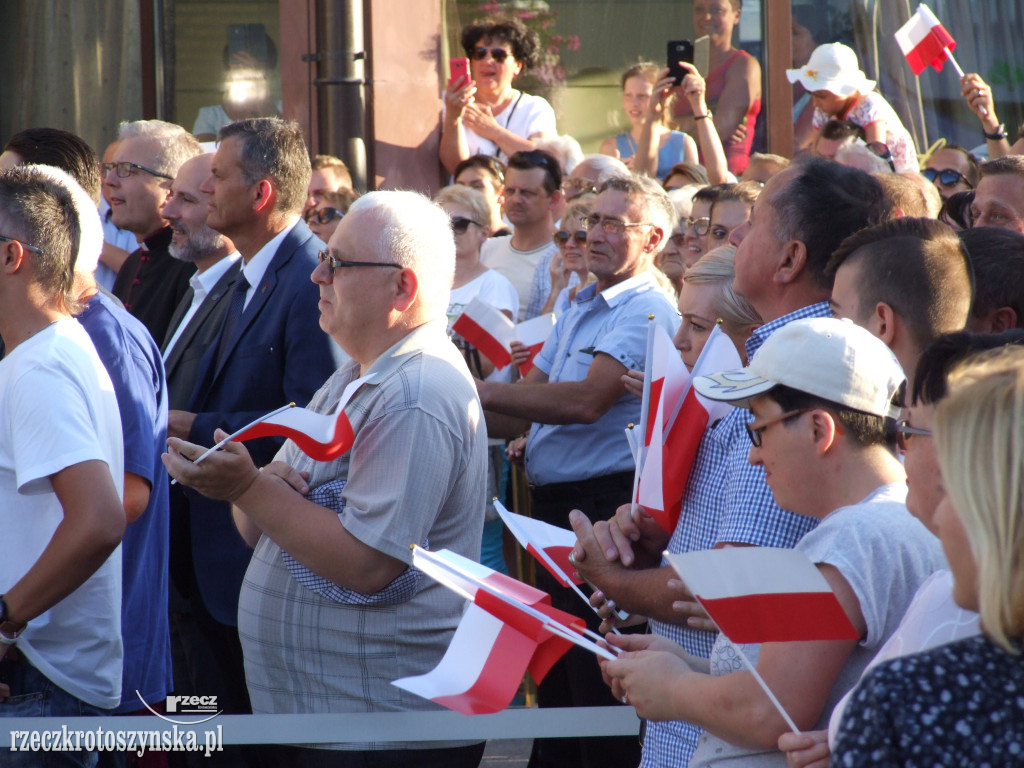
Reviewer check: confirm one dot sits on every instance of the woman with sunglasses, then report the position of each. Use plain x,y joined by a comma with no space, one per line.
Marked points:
486,115
571,257
962,703
329,211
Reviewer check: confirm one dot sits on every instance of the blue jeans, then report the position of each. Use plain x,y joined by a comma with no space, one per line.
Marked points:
33,695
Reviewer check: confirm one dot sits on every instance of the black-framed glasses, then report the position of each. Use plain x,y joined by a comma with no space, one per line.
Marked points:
947,176
573,188
26,246
498,54
700,226
881,149
125,169
609,225
324,215
755,430
334,264
460,224
904,432
561,237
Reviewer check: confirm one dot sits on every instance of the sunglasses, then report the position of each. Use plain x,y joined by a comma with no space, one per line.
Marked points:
561,237
334,264
324,215
498,54
460,224
904,432
573,188
947,176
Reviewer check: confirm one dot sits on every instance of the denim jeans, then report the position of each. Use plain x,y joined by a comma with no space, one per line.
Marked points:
33,695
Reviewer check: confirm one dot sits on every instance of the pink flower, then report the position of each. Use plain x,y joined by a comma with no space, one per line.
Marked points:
573,42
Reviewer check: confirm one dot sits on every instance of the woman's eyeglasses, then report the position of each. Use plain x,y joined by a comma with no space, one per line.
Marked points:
460,224
498,54
324,215
561,237
947,176
700,226
904,432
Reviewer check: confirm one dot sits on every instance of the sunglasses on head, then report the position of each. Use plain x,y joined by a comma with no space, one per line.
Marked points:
498,54
561,237
947,176
460,224
324,215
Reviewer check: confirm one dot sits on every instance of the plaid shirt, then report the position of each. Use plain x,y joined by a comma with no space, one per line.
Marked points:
726,501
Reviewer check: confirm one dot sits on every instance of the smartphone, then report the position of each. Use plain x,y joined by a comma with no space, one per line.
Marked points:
678,51
458,68
251,38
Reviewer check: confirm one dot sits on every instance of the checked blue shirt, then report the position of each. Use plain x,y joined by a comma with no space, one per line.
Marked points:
726,500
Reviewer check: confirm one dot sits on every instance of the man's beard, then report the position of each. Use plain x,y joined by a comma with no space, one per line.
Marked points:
198,245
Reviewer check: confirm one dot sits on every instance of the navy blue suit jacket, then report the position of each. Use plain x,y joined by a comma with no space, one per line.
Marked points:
277,354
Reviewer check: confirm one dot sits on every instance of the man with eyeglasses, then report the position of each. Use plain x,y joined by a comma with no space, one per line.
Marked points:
150,283
908,281
61,472
532,192
782,251
575,405
331,611
268,351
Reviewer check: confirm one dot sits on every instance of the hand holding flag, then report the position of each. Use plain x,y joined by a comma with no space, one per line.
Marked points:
490,331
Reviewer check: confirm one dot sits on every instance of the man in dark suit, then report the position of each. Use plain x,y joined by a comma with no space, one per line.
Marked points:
270,351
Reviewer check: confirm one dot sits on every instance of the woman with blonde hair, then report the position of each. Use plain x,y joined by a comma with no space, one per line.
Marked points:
963,703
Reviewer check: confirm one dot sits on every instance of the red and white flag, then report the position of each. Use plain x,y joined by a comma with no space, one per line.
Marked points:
486,328
533,333
924,41
549,544
489,330
321,436
509,629
678,425
763,595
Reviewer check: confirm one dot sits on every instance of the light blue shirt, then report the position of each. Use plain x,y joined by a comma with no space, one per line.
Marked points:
613,322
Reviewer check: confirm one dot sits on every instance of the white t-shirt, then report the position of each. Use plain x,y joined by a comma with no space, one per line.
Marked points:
58,409
933,619
518,266
526,116
492,287
885,554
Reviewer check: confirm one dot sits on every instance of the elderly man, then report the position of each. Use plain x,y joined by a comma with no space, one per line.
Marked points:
331,577
576,454
150,283
999,198
61,472
267,352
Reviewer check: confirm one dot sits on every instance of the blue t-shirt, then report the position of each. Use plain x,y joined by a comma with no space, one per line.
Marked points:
132,360
673,153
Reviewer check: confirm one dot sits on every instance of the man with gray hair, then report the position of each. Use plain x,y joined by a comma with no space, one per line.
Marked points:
267,352
61,472
331,578
575,406
150,283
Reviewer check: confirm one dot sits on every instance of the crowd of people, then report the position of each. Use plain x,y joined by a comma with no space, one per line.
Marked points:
156,300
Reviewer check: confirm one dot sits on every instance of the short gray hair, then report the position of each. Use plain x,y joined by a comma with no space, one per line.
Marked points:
413,231
655,203
172,145
604,166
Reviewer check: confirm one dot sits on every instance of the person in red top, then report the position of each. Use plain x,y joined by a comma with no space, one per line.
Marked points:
733,82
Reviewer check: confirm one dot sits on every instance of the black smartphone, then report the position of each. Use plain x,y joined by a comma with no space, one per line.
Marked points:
678,51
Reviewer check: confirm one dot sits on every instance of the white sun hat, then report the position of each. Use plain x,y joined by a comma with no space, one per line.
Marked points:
832,67
824,356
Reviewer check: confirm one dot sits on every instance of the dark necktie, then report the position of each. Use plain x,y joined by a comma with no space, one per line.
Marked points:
234,315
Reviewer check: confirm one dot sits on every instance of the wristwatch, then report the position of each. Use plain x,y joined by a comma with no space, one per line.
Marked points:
9,630
999,134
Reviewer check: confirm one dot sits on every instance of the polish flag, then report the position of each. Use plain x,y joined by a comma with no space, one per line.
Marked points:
764,595
533,333
924,41
549,544
679,424
487,329
509,628
321,436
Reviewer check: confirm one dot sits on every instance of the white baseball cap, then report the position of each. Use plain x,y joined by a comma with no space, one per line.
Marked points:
826,357
832,67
